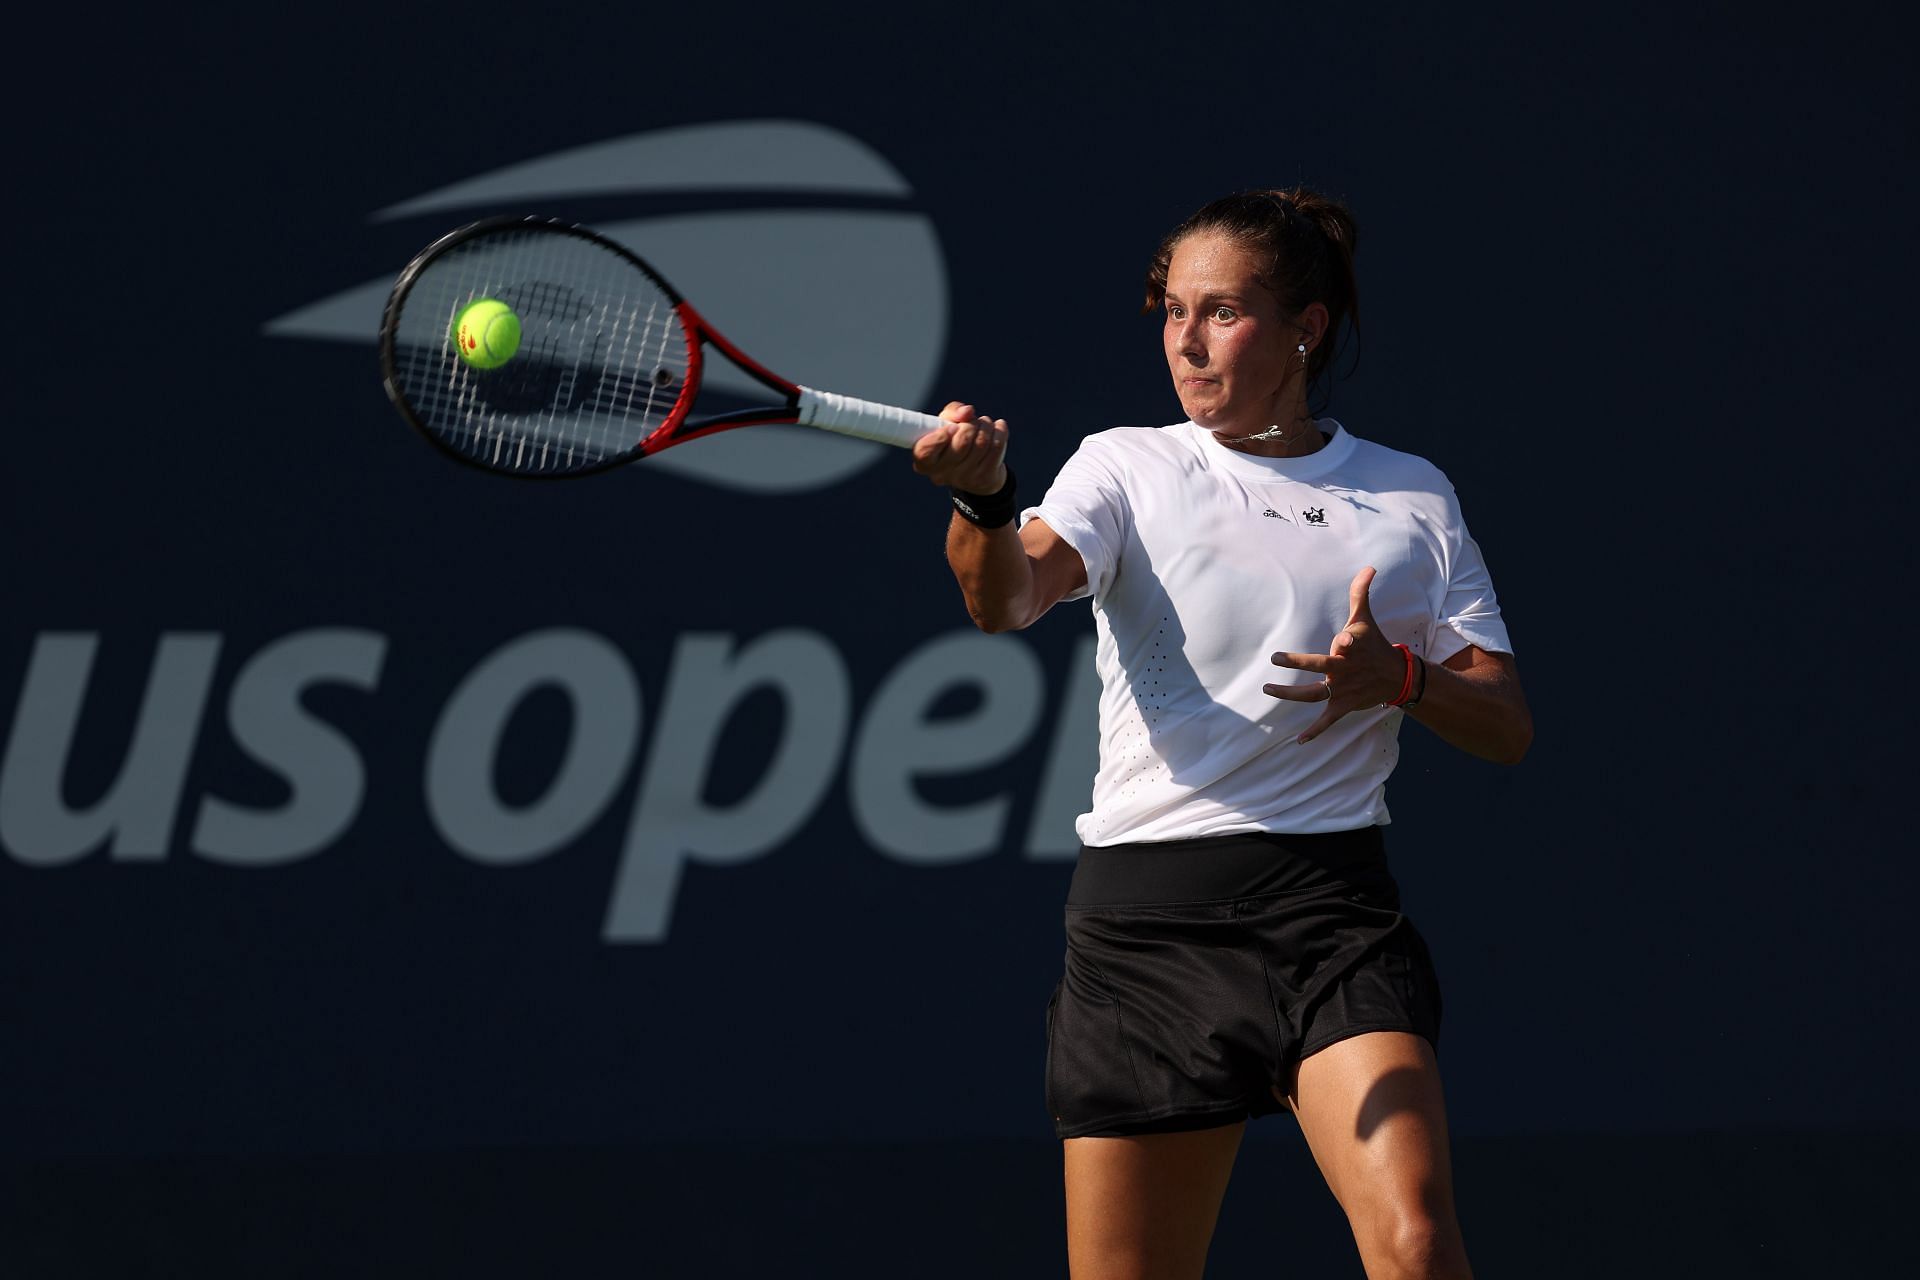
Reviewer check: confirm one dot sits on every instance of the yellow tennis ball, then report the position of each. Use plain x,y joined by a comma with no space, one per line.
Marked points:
486,333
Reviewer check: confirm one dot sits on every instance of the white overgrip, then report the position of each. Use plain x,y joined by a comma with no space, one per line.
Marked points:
864,418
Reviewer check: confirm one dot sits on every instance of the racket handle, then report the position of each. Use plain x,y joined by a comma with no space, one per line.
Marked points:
864,418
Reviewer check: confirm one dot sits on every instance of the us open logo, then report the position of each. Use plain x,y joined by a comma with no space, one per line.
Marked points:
789,284
792,281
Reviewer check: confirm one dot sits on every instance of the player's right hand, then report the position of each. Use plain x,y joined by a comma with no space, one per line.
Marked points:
969,453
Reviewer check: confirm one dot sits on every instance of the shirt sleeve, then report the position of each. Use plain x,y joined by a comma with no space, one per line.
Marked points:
1469,612
1087,506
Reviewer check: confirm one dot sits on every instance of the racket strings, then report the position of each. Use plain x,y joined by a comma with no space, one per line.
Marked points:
600,365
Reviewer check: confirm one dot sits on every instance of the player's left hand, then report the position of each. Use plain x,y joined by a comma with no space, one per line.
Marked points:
1361,669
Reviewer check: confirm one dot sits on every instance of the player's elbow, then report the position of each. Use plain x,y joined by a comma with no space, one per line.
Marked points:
1519,738
1003,610
995,621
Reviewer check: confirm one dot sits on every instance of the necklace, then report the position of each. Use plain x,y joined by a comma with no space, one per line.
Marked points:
1271,433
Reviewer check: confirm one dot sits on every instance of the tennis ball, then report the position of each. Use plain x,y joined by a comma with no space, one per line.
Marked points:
486,333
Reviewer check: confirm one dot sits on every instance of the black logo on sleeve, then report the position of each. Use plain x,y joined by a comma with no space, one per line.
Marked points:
1274,515
1315,515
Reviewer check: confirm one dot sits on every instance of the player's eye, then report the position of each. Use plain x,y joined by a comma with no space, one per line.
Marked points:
1175,311
1223,313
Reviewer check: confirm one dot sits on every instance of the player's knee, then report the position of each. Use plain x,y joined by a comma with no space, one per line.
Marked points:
1419,1243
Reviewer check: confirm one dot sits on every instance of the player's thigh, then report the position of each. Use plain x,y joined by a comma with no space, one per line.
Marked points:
1374,1115
1145,1206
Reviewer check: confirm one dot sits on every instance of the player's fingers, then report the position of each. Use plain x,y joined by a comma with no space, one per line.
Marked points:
933,443
985,458
1319,663
985,440
1326,721
1317,691
1341,643
932,452
1357,607
965,453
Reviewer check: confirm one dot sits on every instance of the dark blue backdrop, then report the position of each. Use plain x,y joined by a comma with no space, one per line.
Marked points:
1637,281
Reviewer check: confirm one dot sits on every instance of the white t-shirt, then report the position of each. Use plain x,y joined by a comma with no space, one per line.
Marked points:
1202,561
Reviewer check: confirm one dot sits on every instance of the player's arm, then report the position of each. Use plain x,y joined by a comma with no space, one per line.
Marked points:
1009,576
1473,701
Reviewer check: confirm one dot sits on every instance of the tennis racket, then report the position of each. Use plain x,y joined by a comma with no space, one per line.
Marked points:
593,359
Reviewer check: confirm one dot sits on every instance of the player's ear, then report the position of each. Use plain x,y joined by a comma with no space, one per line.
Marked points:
1312,325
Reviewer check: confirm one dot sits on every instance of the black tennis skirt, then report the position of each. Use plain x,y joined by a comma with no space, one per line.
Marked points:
1200,972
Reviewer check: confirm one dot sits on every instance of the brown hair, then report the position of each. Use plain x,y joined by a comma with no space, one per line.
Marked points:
1305,242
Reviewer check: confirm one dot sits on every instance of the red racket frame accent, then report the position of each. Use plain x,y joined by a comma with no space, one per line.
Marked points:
699,332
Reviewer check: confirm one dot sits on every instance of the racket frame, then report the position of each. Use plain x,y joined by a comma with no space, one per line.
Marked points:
676,428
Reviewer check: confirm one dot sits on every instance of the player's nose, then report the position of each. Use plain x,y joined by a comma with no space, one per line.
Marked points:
1189,341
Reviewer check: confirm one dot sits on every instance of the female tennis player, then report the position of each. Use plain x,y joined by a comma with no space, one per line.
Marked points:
1272,597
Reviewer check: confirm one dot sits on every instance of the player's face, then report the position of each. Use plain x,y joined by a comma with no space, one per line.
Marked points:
1231,352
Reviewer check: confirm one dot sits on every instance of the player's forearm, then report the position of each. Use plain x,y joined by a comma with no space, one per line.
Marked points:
994,573
1481,711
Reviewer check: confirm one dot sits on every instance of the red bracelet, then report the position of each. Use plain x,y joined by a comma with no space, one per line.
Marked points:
1406,687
